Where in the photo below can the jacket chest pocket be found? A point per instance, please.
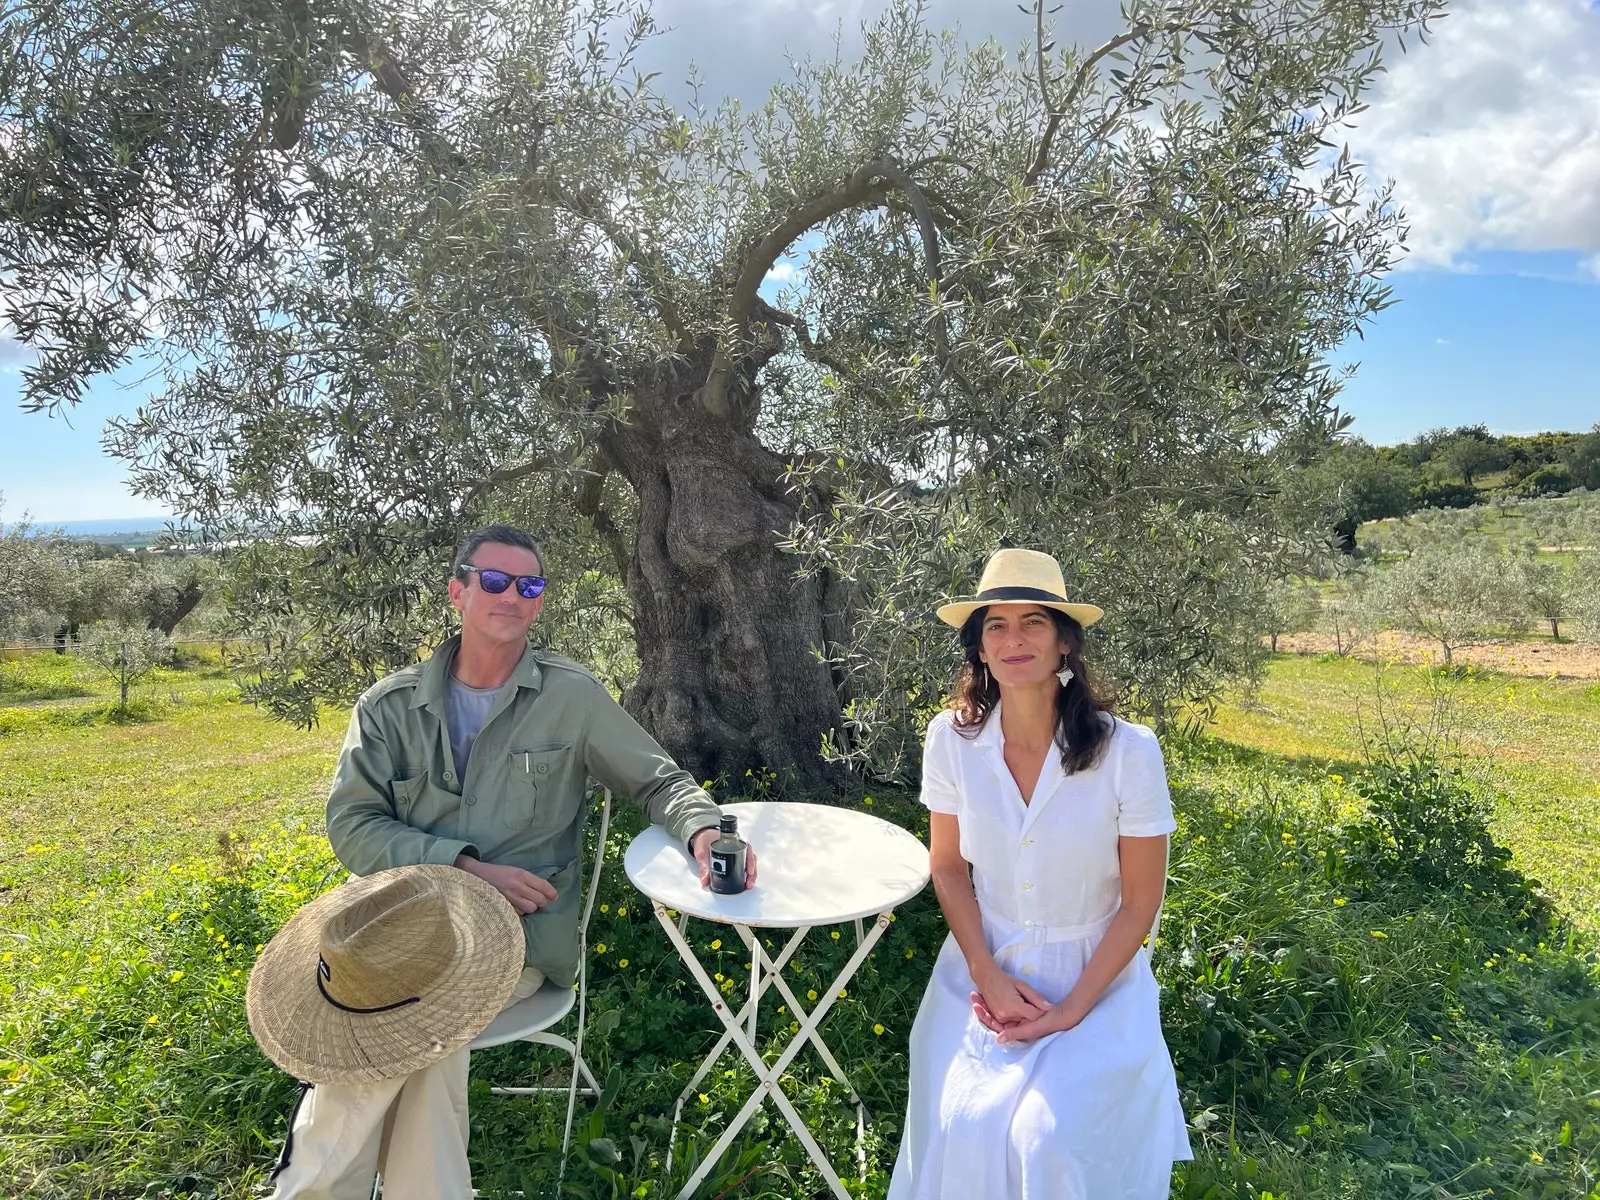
(422, 804)
(546, 790)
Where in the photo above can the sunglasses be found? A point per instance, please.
(495, 582)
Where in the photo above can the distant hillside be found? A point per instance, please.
(130, 532)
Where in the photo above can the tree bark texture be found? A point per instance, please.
(730, 675)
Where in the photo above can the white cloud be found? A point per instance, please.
(783, 272)
(1441, 341)
(1492, 131)
(1591, 265)
(13, 354)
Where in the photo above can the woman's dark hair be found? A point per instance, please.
(1081, 731)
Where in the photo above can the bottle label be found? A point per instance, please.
(719, 865)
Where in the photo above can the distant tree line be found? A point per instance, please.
(1449, 468)
(1459, 577)
(58, 587)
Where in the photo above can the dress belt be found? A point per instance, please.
(1037, 934)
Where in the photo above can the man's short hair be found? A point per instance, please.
(505, 535)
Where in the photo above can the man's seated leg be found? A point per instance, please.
(331, 1152)
(423, 1154)
(527, 984)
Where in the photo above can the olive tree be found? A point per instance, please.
(1292, 605)
(1548, 588)
(18, 575)
(126, 653)
(1586, 595)
(406, 267)
(1458, 595)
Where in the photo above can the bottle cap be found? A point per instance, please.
(729, 824)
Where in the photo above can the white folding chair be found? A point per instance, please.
(530, 1019)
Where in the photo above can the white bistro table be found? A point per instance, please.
(815, 866)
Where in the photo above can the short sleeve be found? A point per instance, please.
(939, 791)
(1144, 806)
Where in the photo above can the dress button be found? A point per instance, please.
(449, 776)
(472, 800)
(1027, 924)
(1027, 970)
(1027, 886)
(1027, 841)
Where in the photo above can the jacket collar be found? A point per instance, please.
(430, 690)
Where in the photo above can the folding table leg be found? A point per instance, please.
(769, 1078)
(747, 1012)
(777, 981)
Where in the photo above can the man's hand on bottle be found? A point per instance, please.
(701, 844)
(526, 891)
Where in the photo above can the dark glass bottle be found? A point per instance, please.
(727, 859)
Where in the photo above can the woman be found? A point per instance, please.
(1038, 1069)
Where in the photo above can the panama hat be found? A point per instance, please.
(385, 975)
(1020, 577)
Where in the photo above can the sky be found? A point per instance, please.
(1491, 134)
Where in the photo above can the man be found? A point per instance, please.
(477, 758)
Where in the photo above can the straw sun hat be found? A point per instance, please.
(1020, 577)
(385, 975)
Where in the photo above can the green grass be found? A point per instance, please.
(1536, 740)
(1346, 1020)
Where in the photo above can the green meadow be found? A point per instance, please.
(1365, 995)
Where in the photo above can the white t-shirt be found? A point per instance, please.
(466, 709)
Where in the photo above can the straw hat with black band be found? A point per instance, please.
(385, 975)
(1020, 577)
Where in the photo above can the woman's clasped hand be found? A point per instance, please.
(1016, 1012)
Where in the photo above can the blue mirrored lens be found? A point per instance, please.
(494, 582)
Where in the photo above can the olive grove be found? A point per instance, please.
(402, 269)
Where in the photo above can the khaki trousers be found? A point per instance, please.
(412, 1130)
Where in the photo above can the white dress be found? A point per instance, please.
(1088, 1114)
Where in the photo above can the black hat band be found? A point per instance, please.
(1020, 593)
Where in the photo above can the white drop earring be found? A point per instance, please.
(1065, 674)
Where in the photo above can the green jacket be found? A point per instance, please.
(398, 798)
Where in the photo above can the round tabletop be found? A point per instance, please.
(815, 865)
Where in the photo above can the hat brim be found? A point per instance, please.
(314, 1041)
(957, 612)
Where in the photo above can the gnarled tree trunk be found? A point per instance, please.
(731, 676)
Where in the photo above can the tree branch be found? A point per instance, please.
(391, 79)
(1080, 80)
(476, 489)
(862, 187)
(590, 503)
(585, 206)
